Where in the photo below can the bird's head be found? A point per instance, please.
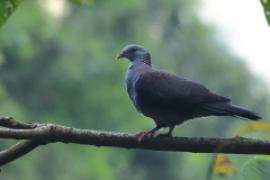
(135, 53)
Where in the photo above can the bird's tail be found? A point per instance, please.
(227, 109)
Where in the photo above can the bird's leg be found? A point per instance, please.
(168, 134)
(149, 133)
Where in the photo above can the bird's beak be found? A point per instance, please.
(122, 55)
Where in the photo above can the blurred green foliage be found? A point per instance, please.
(6, 9)
(61, 68)
(83, 2)
(256, 168)
(266, 8)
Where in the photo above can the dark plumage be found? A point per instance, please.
(169, 99)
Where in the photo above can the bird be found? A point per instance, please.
(170, 99)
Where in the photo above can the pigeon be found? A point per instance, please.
(170, 99)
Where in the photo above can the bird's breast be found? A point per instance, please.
(129, 83)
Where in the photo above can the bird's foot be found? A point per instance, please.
(166, 135)
(145, 134)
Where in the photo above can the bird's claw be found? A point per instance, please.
(145, 134)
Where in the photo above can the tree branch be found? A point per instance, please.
(43, 134)
(9, 122)
(17, 150)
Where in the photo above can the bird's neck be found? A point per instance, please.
(146, 59)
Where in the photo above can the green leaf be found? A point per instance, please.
(266, 7)
(257, 168)
(7, 7)
(83, 2)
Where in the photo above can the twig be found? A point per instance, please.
(17, 150)
(9, 122)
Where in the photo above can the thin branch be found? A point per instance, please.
(16, 151)
(50, 133)
(9, 122)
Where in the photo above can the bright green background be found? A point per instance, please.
(63, 70)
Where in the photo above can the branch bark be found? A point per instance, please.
(41, 134)
(16, 151)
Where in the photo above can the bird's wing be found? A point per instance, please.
(168, 88)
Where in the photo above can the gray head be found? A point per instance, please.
(135, 53)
